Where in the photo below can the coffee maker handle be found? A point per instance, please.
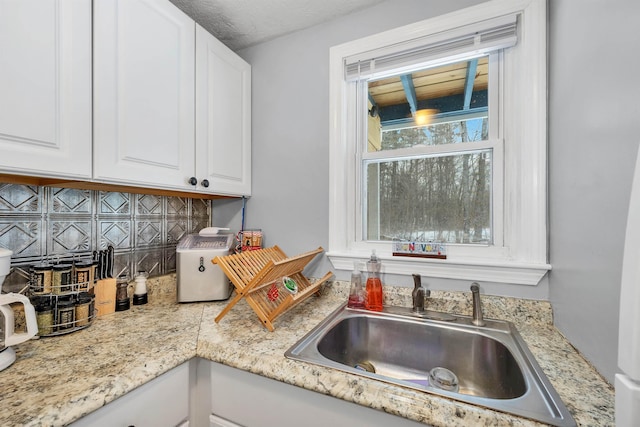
(7, 313)
(12, 338)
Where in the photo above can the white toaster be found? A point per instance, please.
(198, 279)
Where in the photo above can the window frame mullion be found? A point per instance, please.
(430, 150)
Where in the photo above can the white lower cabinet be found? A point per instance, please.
(200, 393)
(163, 401)
(239, 398)
(216, 421)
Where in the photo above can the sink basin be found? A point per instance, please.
(438, 353)
(409, 350)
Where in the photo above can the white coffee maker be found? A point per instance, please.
(8, 337)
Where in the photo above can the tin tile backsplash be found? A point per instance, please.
(45, 223)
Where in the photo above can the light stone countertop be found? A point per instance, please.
(57, 380)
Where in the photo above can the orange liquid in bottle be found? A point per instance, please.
(374, 294)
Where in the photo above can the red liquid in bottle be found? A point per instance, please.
(374, 294)
(355, 301)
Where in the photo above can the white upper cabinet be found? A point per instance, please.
(144, 97)
(223, 117)
(45, 88)
(171, 109)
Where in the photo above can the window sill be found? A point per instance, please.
(500, 272)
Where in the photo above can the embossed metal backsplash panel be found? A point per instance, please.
(44, 223)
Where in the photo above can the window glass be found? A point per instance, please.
(429, 196)
(441, 198)
(436, 134)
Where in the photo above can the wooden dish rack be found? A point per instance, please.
(253, 274)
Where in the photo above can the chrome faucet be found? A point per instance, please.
(419, 294)
(477, 305)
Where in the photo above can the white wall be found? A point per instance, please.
(594, 131)
(290, 132)
(593, 138)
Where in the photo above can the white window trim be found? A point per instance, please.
(522, 258)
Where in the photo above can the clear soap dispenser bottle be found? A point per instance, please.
(357, 292)
(374, 284)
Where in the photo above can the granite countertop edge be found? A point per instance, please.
(587, 395)
(123, 351)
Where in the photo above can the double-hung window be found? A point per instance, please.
(438, 134)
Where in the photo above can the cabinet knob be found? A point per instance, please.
(205, 183)
(193, 180)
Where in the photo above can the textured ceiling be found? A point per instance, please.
(243, 23)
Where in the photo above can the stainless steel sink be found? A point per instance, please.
(438, 353)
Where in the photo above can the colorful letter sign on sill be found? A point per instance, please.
(420, 249)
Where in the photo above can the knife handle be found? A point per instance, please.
(110, 261)
(103, 264)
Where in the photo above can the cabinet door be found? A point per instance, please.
(274, 403)
(144, 93)
(216, 421)
(223, 117)
(45, 88)
(163, 401)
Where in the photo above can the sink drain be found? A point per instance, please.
(443, 378)
(365, 366)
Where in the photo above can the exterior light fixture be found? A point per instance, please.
(424, 117)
